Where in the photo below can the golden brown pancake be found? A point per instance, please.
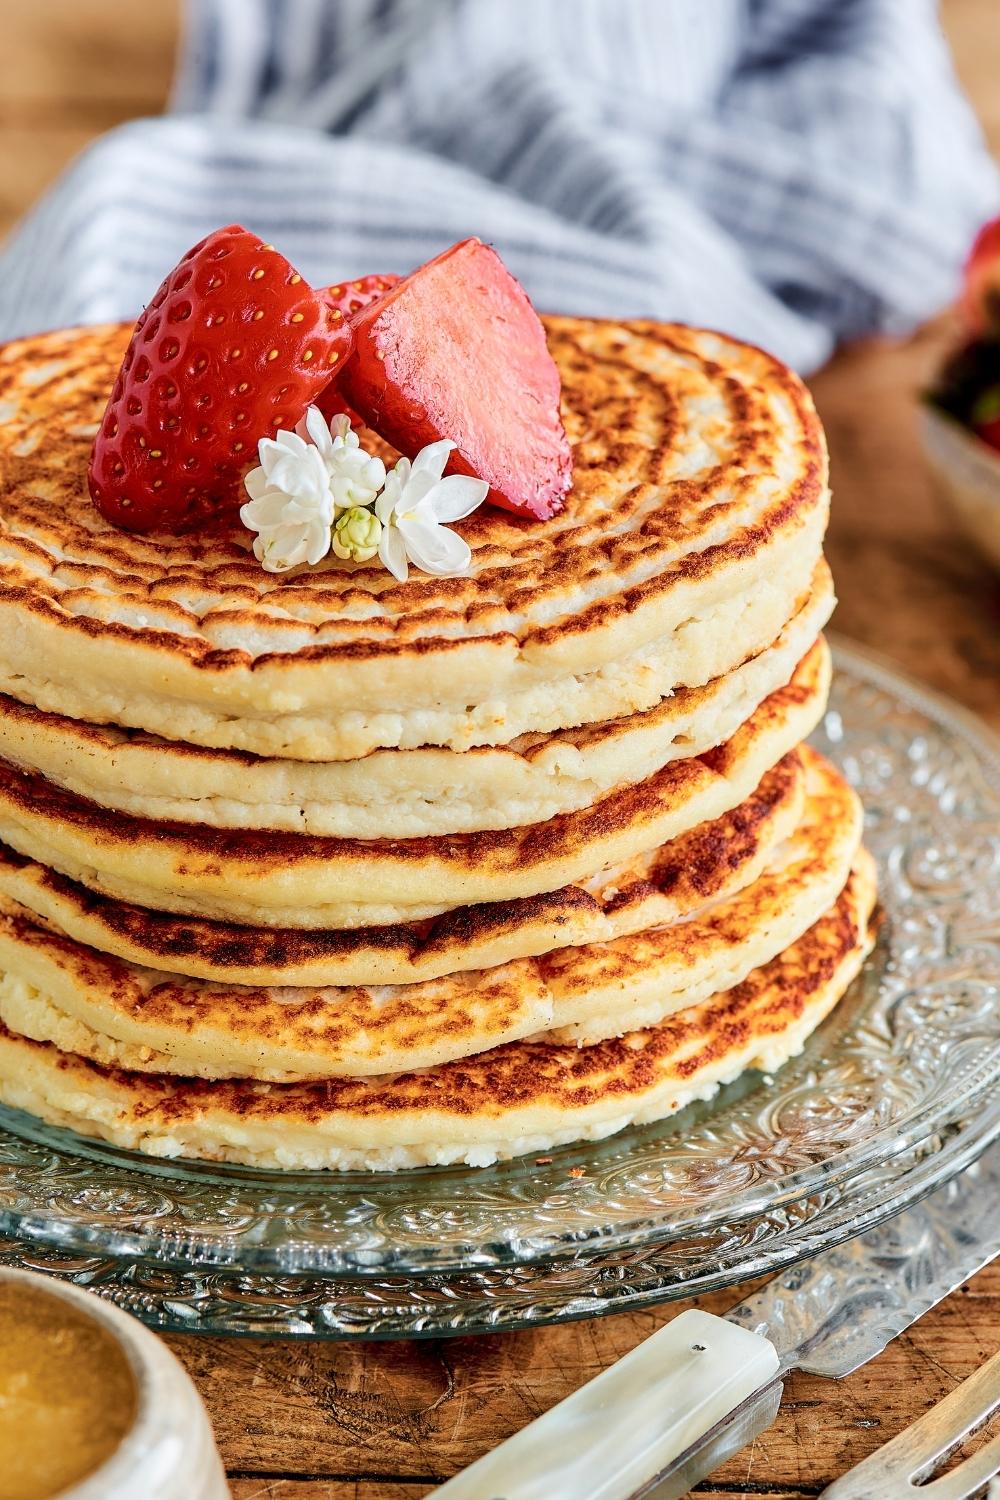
(522, 1097)
(706, 864)
(289, 880)
(403, 793)
(53, 989)
(694, 523)
(322, 870)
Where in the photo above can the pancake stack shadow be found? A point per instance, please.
(329, 871)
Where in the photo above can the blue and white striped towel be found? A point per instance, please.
(794, 171)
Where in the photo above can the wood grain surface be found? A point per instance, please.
(389, 1421)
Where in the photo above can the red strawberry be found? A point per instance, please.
(233, 345)
(985, 416)
(347, 299)
(457, 351)
(981, 282)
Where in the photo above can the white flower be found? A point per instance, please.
(304, 480)
(412, 506)
(317, 490)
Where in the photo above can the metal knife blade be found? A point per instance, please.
(834, 1313)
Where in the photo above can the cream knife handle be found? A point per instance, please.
(627, 1426)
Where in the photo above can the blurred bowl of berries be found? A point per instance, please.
(960, 417)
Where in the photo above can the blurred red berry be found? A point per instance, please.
(980, 299)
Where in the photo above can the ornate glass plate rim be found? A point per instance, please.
(907, 1055)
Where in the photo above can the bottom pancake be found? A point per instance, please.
(520, 1098)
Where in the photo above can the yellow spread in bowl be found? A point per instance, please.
(67, 1394)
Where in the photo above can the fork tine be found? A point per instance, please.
(968, 1477)
(968, 1406)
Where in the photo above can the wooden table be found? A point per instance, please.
(388, 1421)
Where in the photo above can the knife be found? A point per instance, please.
(699, 1389)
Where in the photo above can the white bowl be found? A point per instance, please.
(967, 472)
(169, 1452)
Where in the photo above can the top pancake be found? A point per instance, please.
(694, 524)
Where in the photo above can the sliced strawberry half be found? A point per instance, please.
(233, 345)
(457, 351)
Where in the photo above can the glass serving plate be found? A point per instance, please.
(898, 1090)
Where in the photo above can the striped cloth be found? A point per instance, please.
(793, 171)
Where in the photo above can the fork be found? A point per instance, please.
(898, 1470)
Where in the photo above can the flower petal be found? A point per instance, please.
(305, 478)
(286, 472)
(270, 510)
(315, 424)
(392, 551)
(255, 483)
(283, 443)
(434, 548)
(342, 432)
(373, 473)
(281, 549)
(432, 459)
(317, 544)
(395, 484)
(456, 497)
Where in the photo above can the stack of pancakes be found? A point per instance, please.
(324, 870)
